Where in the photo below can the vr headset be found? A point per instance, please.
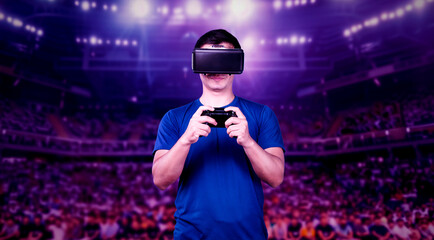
(218, 61)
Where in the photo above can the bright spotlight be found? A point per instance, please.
(194, 8)
(77, 40)
(2, 16)
(85, 5)
(279, 41)
(125, 42)
(262, 42)
(277, 5)
(105, 7)
(391, 15)
(347, 33)
(32, 29)
(117, 42)
(288, 4)
(399, 12)
(84, 40)
(354, 29)
(114, 8)
(303, 2)
(107, 42)
(40, 32)
(409, 7)
(241, 9)
(297, 2)
(94, 4)
(384, 16)
(99, 41)
(17, 23)
(140, 8)
(92, 40)
(302, 40)
(164, 10)
(9, 19)
(134, 43)
(293, 39)
(419, 4)
(77, 3)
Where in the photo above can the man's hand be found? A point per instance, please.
(238, 127)
(196, 126)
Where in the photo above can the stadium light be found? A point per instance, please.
(92, 40)
(140, 8)
(85, 5)
(409, 7)
(279, 41)
(293, 40)
(241, 9)
(17, 23)
(194, 8)
(419, 4)
(288, 4)
(277, 5)
(114, 8)
(400, 12)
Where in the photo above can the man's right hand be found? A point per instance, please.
(196, 126)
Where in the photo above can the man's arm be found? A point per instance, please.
(168, 164)
(268, 164)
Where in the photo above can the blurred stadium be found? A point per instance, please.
(84, 84)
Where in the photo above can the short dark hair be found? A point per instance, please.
(217, 36)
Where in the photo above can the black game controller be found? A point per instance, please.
(220, 115)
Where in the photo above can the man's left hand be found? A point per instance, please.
(238, 127)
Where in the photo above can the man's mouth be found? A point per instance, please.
(216, 77)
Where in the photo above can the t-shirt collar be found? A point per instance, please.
(230, 104)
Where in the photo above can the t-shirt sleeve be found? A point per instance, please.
(168, 133)
(269, 130)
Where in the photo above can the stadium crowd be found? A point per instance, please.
(372, 199)
(101, 125)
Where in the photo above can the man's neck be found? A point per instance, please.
(216, 99)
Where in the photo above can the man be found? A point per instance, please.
(343, 229)
(91, 229)
(58, 229)
(400, 231)
(220, 169)
(378, 230)
(109, 228)
(324, 230)
(38, 229)
(294, 229)
(10, 230)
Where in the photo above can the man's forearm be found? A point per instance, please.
(167, 169)
(267, 166)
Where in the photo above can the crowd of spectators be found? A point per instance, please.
(373, 199)
(295, 123)
(419, 110)
(15, 117)
(380, 116)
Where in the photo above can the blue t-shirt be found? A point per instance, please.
(219, 194)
